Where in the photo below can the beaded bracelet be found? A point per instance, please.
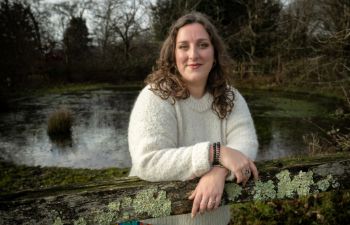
(216, 154)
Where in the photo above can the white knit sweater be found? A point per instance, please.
(171, 142)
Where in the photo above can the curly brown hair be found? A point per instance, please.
(165, 80)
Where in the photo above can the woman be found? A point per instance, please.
(189, 122)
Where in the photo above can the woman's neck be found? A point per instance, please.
(196, 91)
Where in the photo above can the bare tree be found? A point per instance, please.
(130, 24)
(119, 21)
(105, 14)
(315, 40)
(67, 10)
(19, 42)
(335, 19)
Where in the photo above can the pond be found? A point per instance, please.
(99, 134)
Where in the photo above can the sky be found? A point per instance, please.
(89, 16)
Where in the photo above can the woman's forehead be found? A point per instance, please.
(192, 32)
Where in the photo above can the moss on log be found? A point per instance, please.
(129, 198)
(332, 207)
(16, 178)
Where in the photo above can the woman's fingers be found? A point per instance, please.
(208, 190)
(204, 204)
(192, 195)
(247, 172)
(254, 170)
(211, 204)
(217, 201)
(239, 176)
(196, 203)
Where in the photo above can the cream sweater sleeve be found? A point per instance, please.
(240, 129)
(153, 143)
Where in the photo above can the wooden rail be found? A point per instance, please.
(130, 198)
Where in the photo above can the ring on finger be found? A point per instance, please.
(246, 172)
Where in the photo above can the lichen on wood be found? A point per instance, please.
(80, 221)
(264, 190)
(109, 215)
(302, 184)
(233, 191)
(113, 200)
(58, 221)
(284, 185)
(152, 202)
(323, 208)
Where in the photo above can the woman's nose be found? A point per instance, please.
(193, 53)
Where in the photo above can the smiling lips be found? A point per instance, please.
(194, 65)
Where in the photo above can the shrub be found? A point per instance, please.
(60, 124)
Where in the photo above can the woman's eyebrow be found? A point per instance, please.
(198, 40)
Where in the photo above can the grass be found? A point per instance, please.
(334, 91)
(77, 87)
(18, 94)
(16, 178)
(295, 108)
(323, 208)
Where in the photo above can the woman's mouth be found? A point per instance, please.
(194, 65)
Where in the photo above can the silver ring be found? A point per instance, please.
(211, 202)
(246, 172)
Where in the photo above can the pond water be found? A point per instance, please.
(99, 134)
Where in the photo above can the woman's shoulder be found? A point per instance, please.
(149, 98)
(236, 93)
(240, 104)
(150, 108)
(148, 93)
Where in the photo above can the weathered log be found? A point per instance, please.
(131, 198)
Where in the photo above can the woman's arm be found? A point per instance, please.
(242, 143)
(236, 156)
(241, 133)
(153, 141)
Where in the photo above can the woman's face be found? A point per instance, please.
(194, 54)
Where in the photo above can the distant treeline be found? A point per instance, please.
(305, 41)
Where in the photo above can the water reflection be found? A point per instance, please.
(99, 132)
(282, 119)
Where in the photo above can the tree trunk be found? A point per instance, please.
(131, 198)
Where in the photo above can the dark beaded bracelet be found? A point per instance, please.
(214, 153)
(216, 158)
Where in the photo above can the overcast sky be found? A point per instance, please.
(89, 17)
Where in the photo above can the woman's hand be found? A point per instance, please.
(239, 164)
(208, 192)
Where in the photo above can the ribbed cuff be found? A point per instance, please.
(200, 158)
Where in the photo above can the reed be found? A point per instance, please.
(60, 123)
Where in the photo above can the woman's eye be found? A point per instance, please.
(183, 47)
(203, 45)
